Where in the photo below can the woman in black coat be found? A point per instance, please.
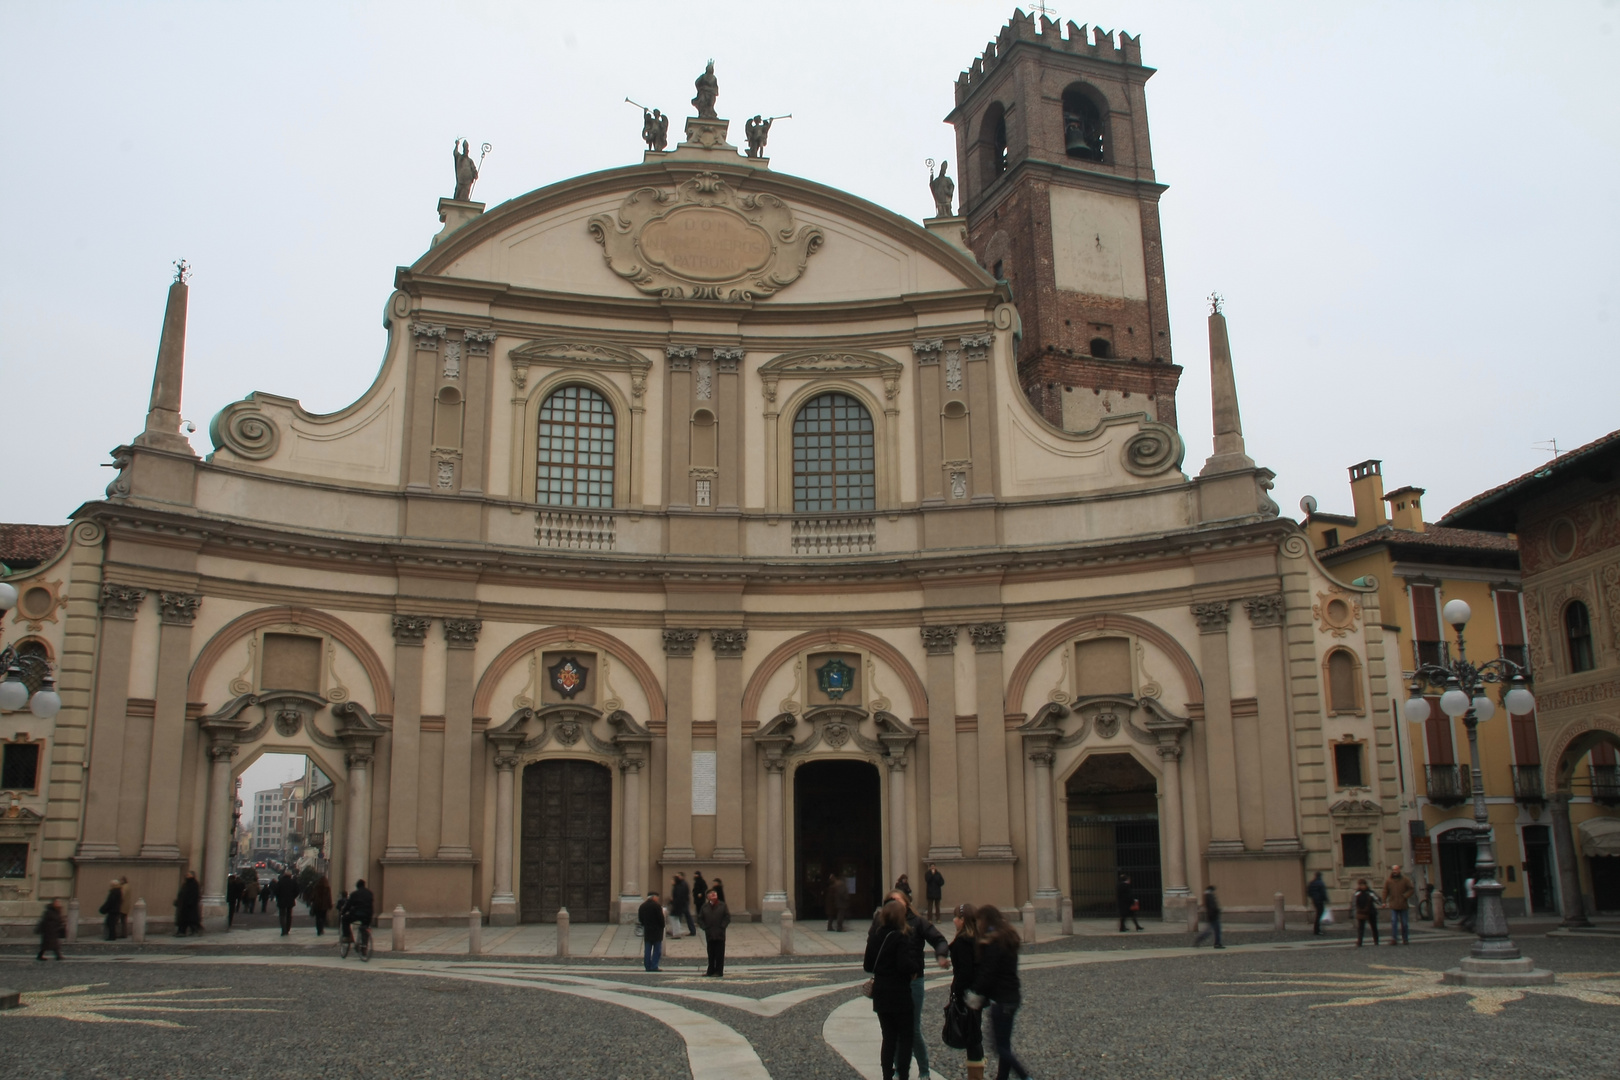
(997, 980)
(892, 964)
(188, 906)
(964, 967)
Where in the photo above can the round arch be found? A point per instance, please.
(1087, 106)
(884, 467)
(240, 627)
(874, 645)
(549, 635)
(1018, 683)
(1061, 777)
(625, 433)
(1575, 741)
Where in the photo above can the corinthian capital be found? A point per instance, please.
(1212, 616)
(411, 629)
(939, 640)
(121, 601)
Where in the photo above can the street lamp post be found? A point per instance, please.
(18, 670)
(1494, 959)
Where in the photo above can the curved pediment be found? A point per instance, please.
(580, 354)
(822, 362)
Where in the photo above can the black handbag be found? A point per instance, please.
(957, 1019)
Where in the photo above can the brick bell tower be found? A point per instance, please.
(1058, 191)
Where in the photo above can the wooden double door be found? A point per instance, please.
(567, 841)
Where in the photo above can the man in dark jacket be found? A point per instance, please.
(923, 933)
(700, 891)
(651, 917)
(680, 903)
(714, 917)
(934, 889)
(1212, 912)
(1125, 902)
(357, 907)
(51, 928)
(286, 898)
(233, 898)
(110, 909)
(1317, 891)
(188, 906)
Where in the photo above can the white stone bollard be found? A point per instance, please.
(787, 933)
(137, 923)
(1279, 914)
(1066, 908)
(1029, 923)
(398, 942)
(475, 932)
(73, 920)
(562, 931)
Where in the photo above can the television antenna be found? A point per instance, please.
(1546, 446)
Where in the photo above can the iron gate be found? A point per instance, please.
(1103, 846)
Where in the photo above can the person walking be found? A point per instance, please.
(264, 896)
(934, 890)
(250, 891)
(286, 890)
(996, 981)
(1364, 902)
(714, 917)
(188, 906)
(1317, 891)
(894, 968)
(51, 928)
(903, 884)
(921, 933)
(1126, 902)
(109, 910)
(680, 906)
(837, 902)
(1398, 893)
(233, 898)
(700, 891)
(320, 902)
(964, 969)
(651, 916)
(1212, 912)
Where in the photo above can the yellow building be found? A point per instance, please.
(1418, 567)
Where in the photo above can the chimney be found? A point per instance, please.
(1229, 453)
(1406, 508)
(1367, 493)
(163, 414)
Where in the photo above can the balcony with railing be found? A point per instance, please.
(1606, 784)
(1448, 785)
(1527, 784)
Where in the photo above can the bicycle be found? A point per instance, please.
(362, 943)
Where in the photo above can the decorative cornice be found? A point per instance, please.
(939, 640)
(1212, 616)
(680, 642)
(411, 629)
(178, 609)
(1268, 610)
(727, 642)
(462, 633)
(988, 637)
(121, 601)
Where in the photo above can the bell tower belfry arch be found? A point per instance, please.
(1058, 190)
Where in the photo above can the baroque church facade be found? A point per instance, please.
(706, 517)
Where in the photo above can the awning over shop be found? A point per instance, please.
(1600, 836)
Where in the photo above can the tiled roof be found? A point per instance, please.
(1435, 539)
(23, 547)
(1497, 508)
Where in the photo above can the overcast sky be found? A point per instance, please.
(1413, 209)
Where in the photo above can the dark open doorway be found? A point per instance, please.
(1455, 853)
(837, 829)
(567, 841)
(1113, 830)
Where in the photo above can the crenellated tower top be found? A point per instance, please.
(1093, 42)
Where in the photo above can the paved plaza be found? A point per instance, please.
(1097, 1004)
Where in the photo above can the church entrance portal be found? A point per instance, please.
(567, 841)
(1113, 830)
(838, 829)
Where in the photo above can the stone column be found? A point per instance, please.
(927, 355)
(776, 897)
(898, 858)
(1266, 617)
(1046, 890)
(945, 834)
(678, 426)
(404, 761)
(520, 404)
(728, 407)
(503, 904)
(1226, 834)
(475, 415)
(460, 641)
(420, 396)
(995, 840)
(678, 647)
(728, 653)
(177, 611)
(119, 606)
(1569, 872)
(357, 832)
(217, 839)
(630, 864)
(1170, 816)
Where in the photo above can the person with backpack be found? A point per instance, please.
(893, 966)
(996, 981)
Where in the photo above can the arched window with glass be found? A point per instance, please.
(833, 467)
(1578, 629)
(576, 434)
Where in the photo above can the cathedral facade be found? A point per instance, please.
(702, 517)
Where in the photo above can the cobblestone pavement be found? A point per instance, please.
(1270, 1005)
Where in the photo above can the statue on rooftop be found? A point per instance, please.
(655, 129)
(758, 130)
(466, 171)
(708, 88)
(943, 188)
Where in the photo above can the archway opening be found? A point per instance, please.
(567, 844)
(838, 832)
(1113, 830)
(284, 821)
(1455, 851)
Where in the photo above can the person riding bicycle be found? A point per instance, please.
(357, 908)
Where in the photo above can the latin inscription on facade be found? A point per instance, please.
(704, 244)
